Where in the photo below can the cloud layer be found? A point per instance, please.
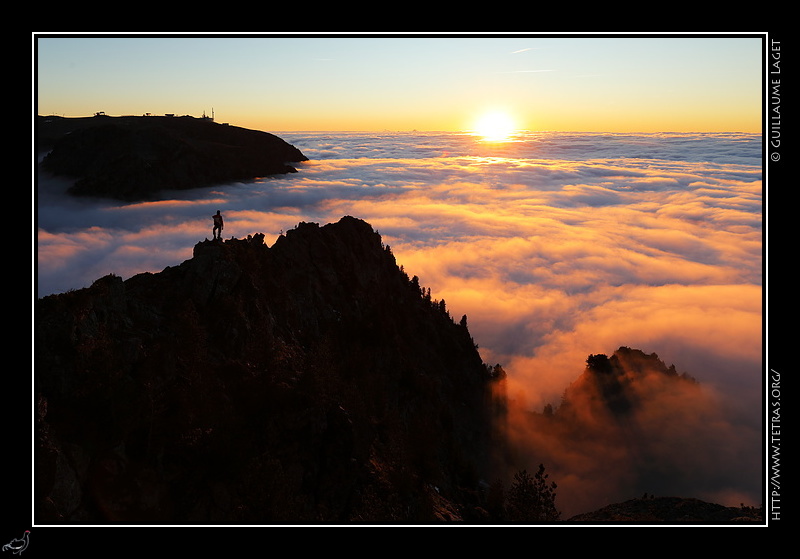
(555, 246)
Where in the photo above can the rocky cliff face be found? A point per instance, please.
(132, 158)
(310, 381)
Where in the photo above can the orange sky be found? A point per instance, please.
(599, 83)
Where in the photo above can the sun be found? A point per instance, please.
(495, 126)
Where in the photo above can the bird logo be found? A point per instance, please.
(17, 545)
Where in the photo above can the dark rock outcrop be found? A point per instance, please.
(671, 510)
(306, 382)
(133, 158)
(610, 383)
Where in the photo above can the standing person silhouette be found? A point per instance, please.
(216, 232)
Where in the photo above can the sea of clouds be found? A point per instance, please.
(555, 246)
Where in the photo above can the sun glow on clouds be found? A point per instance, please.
(495, 126)
(555, 247)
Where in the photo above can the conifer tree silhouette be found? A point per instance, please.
(532, 499)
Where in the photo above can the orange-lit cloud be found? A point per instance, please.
(677, 438)
(552, 254)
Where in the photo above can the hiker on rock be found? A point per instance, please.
(216, 232)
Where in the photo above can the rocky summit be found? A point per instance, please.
(134, 158)
(307, 382)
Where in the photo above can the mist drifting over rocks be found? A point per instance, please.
(556, 246)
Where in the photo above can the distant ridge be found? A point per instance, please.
(132, 158)
(671, 510)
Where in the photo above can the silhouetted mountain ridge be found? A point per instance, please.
(310, 381)
(133, 158)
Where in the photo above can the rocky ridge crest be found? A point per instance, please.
(310, 381)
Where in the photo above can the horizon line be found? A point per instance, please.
(467, 131)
